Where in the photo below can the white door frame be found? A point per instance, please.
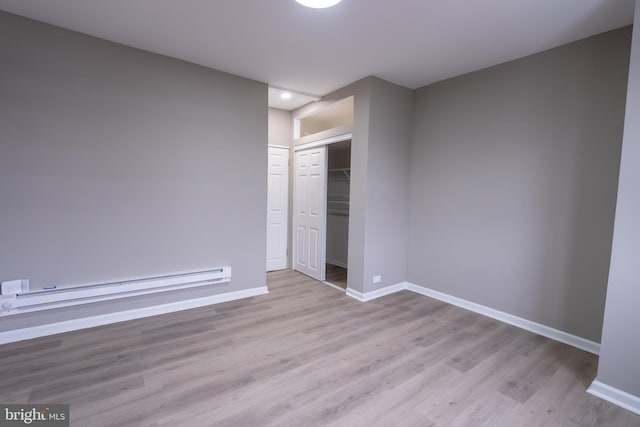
(325, 141)
(310, 145)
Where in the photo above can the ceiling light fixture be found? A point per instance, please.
(285, 95)
(318, 4)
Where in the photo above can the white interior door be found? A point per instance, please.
(309, 216)
(277, 208)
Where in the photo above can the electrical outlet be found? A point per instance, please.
(377, 279)
(15, 286)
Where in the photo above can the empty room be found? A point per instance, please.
(320, 212)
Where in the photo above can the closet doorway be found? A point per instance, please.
(322, 180)
(338, 194)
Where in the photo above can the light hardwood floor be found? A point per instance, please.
(308, 355)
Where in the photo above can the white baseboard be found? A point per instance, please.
(354, 294)
(337, 263)
(537, 328)
(617, 397)
(368, 296)
(334, 286)
(122, 316)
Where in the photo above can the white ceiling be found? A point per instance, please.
(296, 99)
(408, 42)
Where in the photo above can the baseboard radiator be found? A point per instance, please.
(46, 299)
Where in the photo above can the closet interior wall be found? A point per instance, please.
(338, 189)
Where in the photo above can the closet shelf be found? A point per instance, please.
(338, 207)
(345, 171)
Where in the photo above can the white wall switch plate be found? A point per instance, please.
(377, 279)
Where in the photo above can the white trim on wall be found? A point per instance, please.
(537, 328)
(122, 316)
(334, 286)
(613, 395)
(368, 296)
(325, 141)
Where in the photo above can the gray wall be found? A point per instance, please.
(513, 182)
(387, 197)
(620, 351)
(116, 163)
(280, 127)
